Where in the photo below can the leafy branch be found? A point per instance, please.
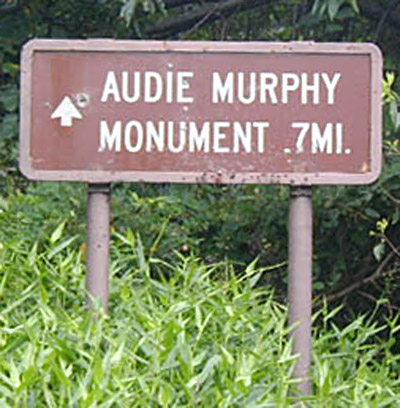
(211, 11)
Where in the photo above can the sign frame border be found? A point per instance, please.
(291, 178)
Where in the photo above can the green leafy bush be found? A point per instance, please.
(198, 336)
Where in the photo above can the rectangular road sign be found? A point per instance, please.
(215, 112)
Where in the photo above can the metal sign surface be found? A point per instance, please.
(290, 113)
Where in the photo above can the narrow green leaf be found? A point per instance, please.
(333, 7)
(57, 233)
(61, 246)
(354, 5)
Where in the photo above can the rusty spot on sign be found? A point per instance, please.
(364, 167)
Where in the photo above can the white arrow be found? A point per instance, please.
(66, 111)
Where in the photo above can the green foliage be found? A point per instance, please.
(216, 223)
(189, 219)
(333, 7)
(356, 350)
(129, 8)
(193, 321)
(31, 217)
(197, 335)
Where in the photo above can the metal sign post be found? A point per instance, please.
(98, 243)
(300, 282)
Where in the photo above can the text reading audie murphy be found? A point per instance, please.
(218, 136)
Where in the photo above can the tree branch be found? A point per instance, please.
(170, 4)
(361, 282)
(214, 10)
(374, 10)
(7, 9)
(390, 196)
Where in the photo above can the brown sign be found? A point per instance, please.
(293, 113)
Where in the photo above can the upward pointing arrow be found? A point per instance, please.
(66, 111)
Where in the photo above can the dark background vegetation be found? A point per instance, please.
(356, 230)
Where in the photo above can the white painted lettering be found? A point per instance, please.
(331, 86)
(110, 88)
(170, 87)
(153, 87)
(155, 136)
(183, 84)
(268, 83)
(321, 141)
(199, 140)
(219, 136)
(304, 128)
(180, 135)
(339, 138)
(261, 127)
(290, 83)
(250, 89)
(222, 92)
(125, 87)
(310, 88)
(242, 136)
(110, 139)
(133, 148)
